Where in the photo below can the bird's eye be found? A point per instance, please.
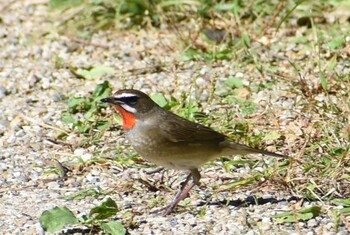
(132, 100)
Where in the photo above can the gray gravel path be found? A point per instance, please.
(31, 91)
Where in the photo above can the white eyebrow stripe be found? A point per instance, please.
(124, 95)
(128, 108)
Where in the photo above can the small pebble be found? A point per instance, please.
(3, 92)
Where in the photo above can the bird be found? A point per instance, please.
(171, 141)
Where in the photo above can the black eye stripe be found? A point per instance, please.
(128, 99)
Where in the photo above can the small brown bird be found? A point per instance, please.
(171, 141)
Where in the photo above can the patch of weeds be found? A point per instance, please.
(227, 39)
(247, 107)
(240, 128)
(325, 176)
(233, 164)
(298, 215)
(202, 212)
(271, 136)
(82, 194)
(56, 219)
(131, 159)
(223, 53)
(236, 98)
(234, 82)
(58, 61)
(237, 94)
(185, 107)
(276, 173)
(87, 17)
(228, 49)
(84, 113)
(51, 170)
(237, 184)
(340, 215)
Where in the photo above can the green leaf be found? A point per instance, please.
(224, 54)
(300, 39)
(135, 7)
(83, 194)
(324, 81)
(175, 3)
(100, 71)
(336, 43)
(160, 100)
(105, 210)
(303, 215)
(273, 135)
(90, 115)
(246, 40)
(343, 202)
(102, 125)
(246, 106)
(234, 82)
(96, 72)
(345, 211)
(332, 64)
(77, 103)
(59, 4)
(84, 73)
(191, 54)
(55, 219)
(226, 7)
(240, 183)
(346, 176)
(102, 90)
(114, 228)
(82, 128)
(68, 118)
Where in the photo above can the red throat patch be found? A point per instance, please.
(129, 119)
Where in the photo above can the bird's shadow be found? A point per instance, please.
(250, 200)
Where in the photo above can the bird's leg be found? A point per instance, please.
(183, 185)
(183, 193)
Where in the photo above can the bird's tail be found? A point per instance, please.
(241, 149)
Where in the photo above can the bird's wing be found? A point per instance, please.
(178, 129)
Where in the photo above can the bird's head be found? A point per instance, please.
(132, 105)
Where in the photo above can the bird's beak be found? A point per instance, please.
(111, 100)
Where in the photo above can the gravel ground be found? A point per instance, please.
(31, 92)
